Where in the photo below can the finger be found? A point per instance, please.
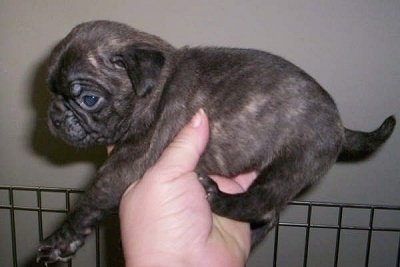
(236, 184)
(182, 155)
(109, 149)
(246, 179)
(227, 185)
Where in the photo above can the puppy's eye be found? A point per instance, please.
(118, 62)
(90, 100)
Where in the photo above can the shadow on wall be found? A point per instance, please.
(59, 153)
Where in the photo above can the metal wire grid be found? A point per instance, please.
(339, 226)
(12, 207)
(307, 225)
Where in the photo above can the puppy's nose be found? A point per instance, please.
(56, 123)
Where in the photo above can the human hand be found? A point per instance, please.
(166, 219)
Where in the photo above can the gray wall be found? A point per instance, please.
(351, 47)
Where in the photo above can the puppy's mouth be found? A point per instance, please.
(70, 130)
(69, 125)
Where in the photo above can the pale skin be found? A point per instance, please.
(166, 219)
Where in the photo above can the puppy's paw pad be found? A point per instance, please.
(53, 250)
(209, 185)
(47, 255)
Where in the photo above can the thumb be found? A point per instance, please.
(183, 153)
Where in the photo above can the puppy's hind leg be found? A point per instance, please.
(277, 184)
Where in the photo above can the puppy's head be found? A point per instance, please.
(106, 79)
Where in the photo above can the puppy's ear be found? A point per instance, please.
(143, 67)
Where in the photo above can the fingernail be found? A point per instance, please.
(197, 118)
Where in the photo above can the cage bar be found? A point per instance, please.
(338, 225)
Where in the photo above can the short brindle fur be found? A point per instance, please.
(114, 85)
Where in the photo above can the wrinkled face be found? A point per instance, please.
(101, 87)
(87, 106)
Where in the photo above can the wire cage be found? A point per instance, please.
(325, 234)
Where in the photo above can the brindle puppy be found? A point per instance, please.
(114, 85)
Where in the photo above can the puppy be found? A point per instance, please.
(114, 85)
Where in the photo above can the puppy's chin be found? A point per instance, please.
(74, 136)
(71, 132)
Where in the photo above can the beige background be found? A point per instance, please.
(351, 47)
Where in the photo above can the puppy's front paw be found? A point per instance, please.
(209, 185)
(60, 246)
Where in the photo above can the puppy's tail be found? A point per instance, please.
(360, 145)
